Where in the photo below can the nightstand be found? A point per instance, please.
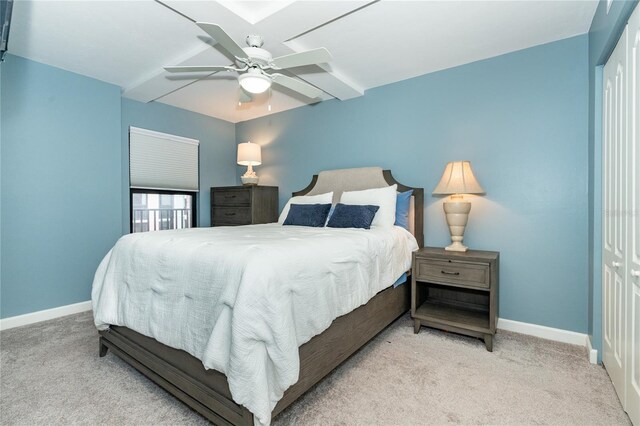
(456, 291)
(244, 205)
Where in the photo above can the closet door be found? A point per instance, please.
(633, 246)
(615, 202)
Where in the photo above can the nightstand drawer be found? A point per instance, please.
(232, 197)
(453, 272)
(231, 215)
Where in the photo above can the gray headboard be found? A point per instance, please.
(358, 179)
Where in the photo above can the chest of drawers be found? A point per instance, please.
(243, 205)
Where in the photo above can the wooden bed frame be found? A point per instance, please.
(207, 391)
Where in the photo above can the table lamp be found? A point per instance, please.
(249, 155)
(457, 180)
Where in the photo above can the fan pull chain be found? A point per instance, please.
(269, 99)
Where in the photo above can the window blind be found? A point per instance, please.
(162, 161)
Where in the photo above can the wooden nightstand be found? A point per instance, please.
(456, 291)
(244, 205)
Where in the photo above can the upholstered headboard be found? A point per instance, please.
(358, 179)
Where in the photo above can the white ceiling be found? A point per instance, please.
(373, 43)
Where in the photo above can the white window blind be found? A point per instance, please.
(162, 161)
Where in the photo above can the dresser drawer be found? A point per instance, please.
(467, 274)
(231, 215)
(234, 197)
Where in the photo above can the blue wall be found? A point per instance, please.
(604, 33)
(521, 119)
(64, 174)
(217, 147)
(61, 181)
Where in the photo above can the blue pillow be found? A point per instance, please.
(403, 202)
(307, 215)
(350, 216)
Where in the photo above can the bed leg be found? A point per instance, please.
(103, 348)
(416, 326)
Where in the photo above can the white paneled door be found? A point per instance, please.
(621, 227)
(614, 198)
(633, 223)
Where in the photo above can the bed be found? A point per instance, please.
(208, 390)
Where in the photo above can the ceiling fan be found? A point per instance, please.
(253, 62)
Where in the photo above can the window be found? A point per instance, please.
(163, 173)
(157, 211)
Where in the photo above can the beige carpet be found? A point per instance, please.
(50, 373)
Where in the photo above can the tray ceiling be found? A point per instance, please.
(373, 43)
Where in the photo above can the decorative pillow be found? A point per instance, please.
(305, 199)
(403, 203)
(308, 215)
(385, 198)
(352, 216)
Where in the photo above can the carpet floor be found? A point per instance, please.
(50, 373)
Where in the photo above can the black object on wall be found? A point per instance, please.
(5, 20)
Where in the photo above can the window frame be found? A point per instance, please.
(194, 203)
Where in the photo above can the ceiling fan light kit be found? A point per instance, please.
(254, 81)
(253, 62)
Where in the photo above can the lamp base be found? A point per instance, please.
(457, 214)
(249, 181)
(456, 246)
(250, 178)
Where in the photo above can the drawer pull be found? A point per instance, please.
(450, 273)
(229, 196)
(229, 214)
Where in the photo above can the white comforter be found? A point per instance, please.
(243, 299)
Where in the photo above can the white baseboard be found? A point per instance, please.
(556, 334)
(45, 315)
(541, 331)
(593, 353)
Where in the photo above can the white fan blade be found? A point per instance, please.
(197, 69)
(223, 39)
(296, 85)
(310, 57)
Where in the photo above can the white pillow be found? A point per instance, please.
(305, 199)
(385, 198)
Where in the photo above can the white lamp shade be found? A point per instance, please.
(254, 82)
(458, 178)
(249, 154)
